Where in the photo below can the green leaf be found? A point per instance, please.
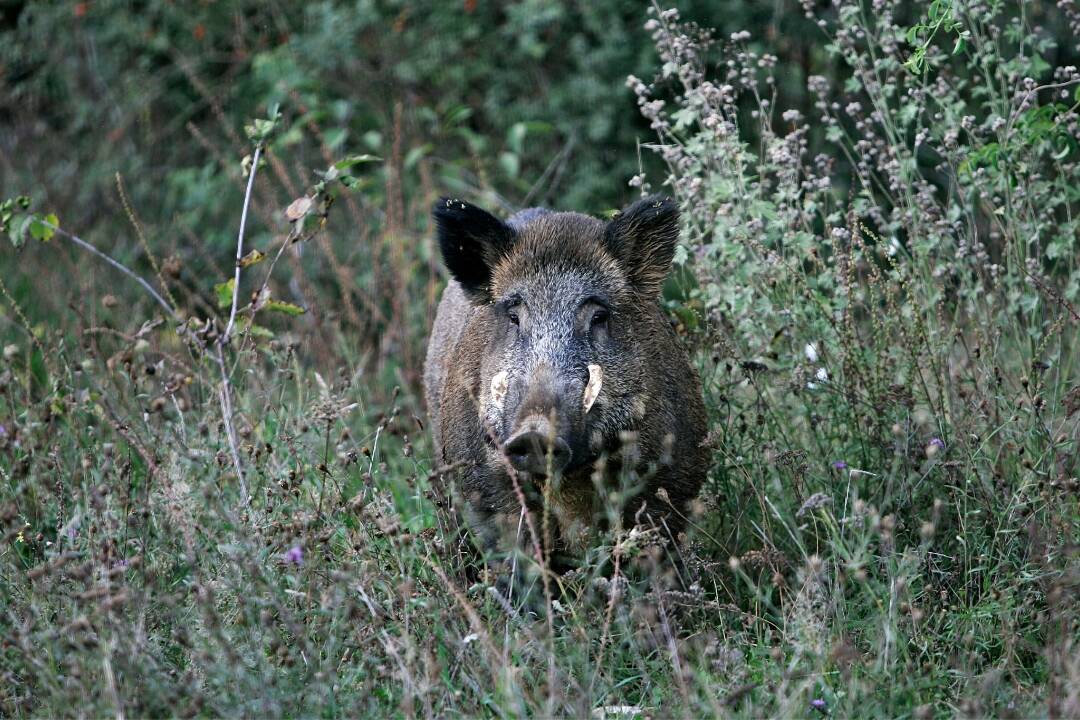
(17, 230)
(510, 163)
(457, 115)
(335, 137)
(373, 139)
(1039, 66)
(684, 118)
(25, 229)
(353, 160)
(260, 331)
(354, 183)
(224, 293)
(1063, 145)
(286, 308)
(515, 137)
(262, 128)
(39, 230)
(415, 155)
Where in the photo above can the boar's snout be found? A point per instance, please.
(535, 448)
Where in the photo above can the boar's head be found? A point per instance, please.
(559, 296)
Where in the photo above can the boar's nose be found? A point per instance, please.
(535, 448)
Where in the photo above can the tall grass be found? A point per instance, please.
(887, 335)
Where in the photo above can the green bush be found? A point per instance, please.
(892, 325)
(878, 276)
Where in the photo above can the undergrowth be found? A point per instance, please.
(199, 520)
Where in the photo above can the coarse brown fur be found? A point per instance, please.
(645, 433)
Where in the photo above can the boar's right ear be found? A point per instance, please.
(642, 238)
(472, 242)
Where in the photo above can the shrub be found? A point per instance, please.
(890, 288)
(882, 295)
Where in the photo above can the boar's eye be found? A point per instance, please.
(597, 314)
(513, 311)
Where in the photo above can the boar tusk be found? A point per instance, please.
(592, 390)
(498, 388)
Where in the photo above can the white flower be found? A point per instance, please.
(822, 374)
(811, 352)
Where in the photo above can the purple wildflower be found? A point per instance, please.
(935, 446)
(819, 705)
(839, 464)
(294, 555)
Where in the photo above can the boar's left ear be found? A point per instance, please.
(472, 242)
(642, 238)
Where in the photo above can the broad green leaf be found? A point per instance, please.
(224, 293)
(24, 229)
(39, 230)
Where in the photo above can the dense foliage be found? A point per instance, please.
(217, 497)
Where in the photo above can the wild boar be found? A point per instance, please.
(551, 359)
